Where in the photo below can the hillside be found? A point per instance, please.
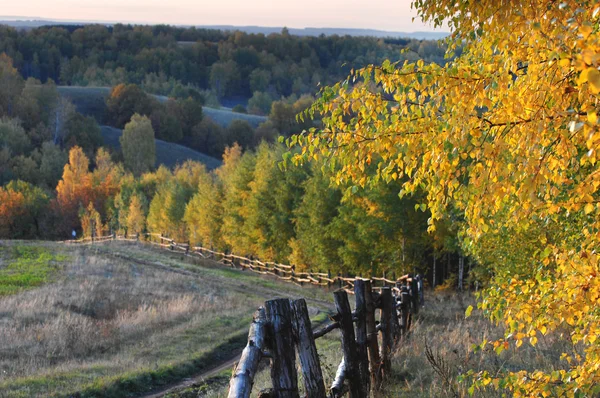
(91, 101)
(121, 319)
(167, 153)
(124, 319)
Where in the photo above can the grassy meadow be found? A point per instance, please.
(120, 319)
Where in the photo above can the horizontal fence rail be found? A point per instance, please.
(283, 272)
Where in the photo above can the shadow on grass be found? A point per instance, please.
(145, 381)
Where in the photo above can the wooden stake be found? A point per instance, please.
(348, 343)
(361, 334)
(242, 377)
(283, 363)
(307, 351)
(372, 336)
(387, 338)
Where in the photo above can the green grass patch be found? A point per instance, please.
(99, 381)
(145, 380)
(27, 267)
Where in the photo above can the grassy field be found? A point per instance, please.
(23, 267)
(121, 319)
(167, 153)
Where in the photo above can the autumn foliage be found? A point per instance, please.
(505, 135)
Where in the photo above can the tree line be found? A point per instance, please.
(251, 205)
(165, 59)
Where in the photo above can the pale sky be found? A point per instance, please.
(392, 15)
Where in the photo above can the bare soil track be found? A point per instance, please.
(195, 379)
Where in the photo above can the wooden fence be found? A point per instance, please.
(283, 272)
(381, 318)
(282, 328)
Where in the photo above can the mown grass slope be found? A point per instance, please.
(122, 319)
(91, 101)
(167, 153)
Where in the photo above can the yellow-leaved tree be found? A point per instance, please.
(506, 133)
(136, 219)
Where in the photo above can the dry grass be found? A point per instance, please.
(119, 314)
(442, 330)
(108, 316)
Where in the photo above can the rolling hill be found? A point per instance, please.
(90, 101)
(167, 153)
(121, 319)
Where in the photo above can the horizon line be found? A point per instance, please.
(22, 18)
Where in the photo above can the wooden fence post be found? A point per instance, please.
(242, 377)
(404, 309)
(348, 343)
(283, 363)
(396, 330)
(361, 334)
(387, 338)
(314, 385)
(414, 292)
(372, 335)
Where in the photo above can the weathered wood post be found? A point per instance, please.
(414, 290)
(242, 378)
(396, 330)
(314, 385)
(372, 335)
(387, 337)
(283, 363)
(351, 366)
(404, 309)
(361, 334)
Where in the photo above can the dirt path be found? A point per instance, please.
(189, 382)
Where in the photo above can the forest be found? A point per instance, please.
(166, 59)
(57, 173)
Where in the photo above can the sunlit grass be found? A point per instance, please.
(27, 267)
